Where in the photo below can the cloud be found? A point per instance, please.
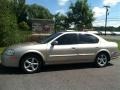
(98, 12)
(62, 2)
(111, 2)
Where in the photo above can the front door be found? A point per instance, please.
(65, 51)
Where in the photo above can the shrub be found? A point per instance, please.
(23, 26)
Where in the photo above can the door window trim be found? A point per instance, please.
(66, 34)
(86, 42)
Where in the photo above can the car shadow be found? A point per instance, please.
(63, 67)
(9, 70)
(49, 68)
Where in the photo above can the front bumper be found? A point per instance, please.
(9, 61)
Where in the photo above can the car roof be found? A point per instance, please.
(80, 32)
(84, 32)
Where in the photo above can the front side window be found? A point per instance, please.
(51, 37)
(67, 39)
(87, 39)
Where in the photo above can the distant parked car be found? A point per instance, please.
(60, 48)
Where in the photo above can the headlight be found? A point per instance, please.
(10, 52)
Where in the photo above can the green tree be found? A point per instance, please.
(37, 11)
(19, 7)
(118, 28)
(20, 10)
(61, 22)
(80, 14)
(8, 24)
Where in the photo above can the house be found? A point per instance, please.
(42, 26)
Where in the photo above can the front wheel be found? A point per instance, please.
(101, 60)
(31, 64)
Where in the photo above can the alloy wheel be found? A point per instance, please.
(102, 60)
(31, 64)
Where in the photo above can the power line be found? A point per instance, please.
(107, 20)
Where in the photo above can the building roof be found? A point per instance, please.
(42, 20)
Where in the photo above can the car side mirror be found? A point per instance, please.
(54, 43)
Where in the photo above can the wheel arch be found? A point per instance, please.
(32, 53)
(104, 51)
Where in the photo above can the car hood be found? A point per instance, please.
(23, 45)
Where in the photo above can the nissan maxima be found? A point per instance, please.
(60, 48)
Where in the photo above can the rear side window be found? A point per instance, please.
(67, 39)
(87, 39)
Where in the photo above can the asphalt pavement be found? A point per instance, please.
(63, 77)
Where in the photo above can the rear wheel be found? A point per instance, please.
(102, 60)
(31, 64)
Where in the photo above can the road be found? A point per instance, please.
(63, 77)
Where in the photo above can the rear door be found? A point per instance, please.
(88, 47)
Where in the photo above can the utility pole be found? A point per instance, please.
(107, 8)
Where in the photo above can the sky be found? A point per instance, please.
(97, 7)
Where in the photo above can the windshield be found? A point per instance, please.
(50, 38)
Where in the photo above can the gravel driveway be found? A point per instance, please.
(63, 77)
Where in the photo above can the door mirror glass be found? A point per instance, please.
(54, 43)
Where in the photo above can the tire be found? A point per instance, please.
(31, 64)
(102, 60)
